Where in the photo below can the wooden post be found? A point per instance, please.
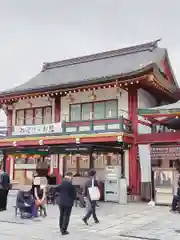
(134, 171)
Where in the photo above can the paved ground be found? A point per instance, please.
(130, 222)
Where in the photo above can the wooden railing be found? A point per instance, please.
(119, 124)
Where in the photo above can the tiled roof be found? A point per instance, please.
(77, 71)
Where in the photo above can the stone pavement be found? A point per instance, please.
(129, 222)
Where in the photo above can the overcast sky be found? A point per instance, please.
(37, 31)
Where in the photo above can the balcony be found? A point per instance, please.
(119, 124)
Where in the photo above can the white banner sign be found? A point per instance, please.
(37, 129)
(145, 162)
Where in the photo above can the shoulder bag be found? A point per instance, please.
(94, 193)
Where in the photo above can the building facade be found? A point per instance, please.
(81, 113)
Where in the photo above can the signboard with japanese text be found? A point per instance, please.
(171, 152)
(37, 129)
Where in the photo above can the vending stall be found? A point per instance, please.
(164, 160)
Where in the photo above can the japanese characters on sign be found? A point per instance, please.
(171, 152)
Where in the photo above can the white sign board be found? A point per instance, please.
(54, 161)
(37, 129)
(145, 162)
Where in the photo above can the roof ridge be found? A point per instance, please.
(97, 56)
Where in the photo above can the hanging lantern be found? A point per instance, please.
(92, 96)
(50, 101)
(118, 92)
(70, 98)
(30, 104)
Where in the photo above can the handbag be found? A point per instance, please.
(94, 193)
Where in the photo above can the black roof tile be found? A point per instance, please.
(80, 70)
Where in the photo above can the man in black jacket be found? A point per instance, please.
(91, 205)
(4, 188)
(67, 195)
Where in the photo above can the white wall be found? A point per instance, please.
(126, 158)
(143, 129)
(102, 94)
(145, 100)
(36, 102)
(145, 162)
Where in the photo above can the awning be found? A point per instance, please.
(173, 108)
(161, 113)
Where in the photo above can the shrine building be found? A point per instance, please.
(81, 113)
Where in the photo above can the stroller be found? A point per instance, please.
(25, 204)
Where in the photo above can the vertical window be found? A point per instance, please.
(86, 111)
(75, 112)
(47, 115)
(20, 117)
(111, 109)
(99, 110)
(38, 116)
(28, 116)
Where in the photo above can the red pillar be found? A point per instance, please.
(134, 177)
(56, 170)
(9, 121)
(57, 109)
(8, 162)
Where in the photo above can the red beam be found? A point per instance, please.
(168, 137)
(70, 140)
(158, 115)
(128, 139)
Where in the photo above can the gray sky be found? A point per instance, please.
(36, 31)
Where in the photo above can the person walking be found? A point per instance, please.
(4, 188)
(67, 196)
(176, 198)
(91, 195)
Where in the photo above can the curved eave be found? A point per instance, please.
(163, 81)
(171, 70)
(80, 84)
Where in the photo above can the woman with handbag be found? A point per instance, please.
(91, 195)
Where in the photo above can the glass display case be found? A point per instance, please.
(165, 183)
